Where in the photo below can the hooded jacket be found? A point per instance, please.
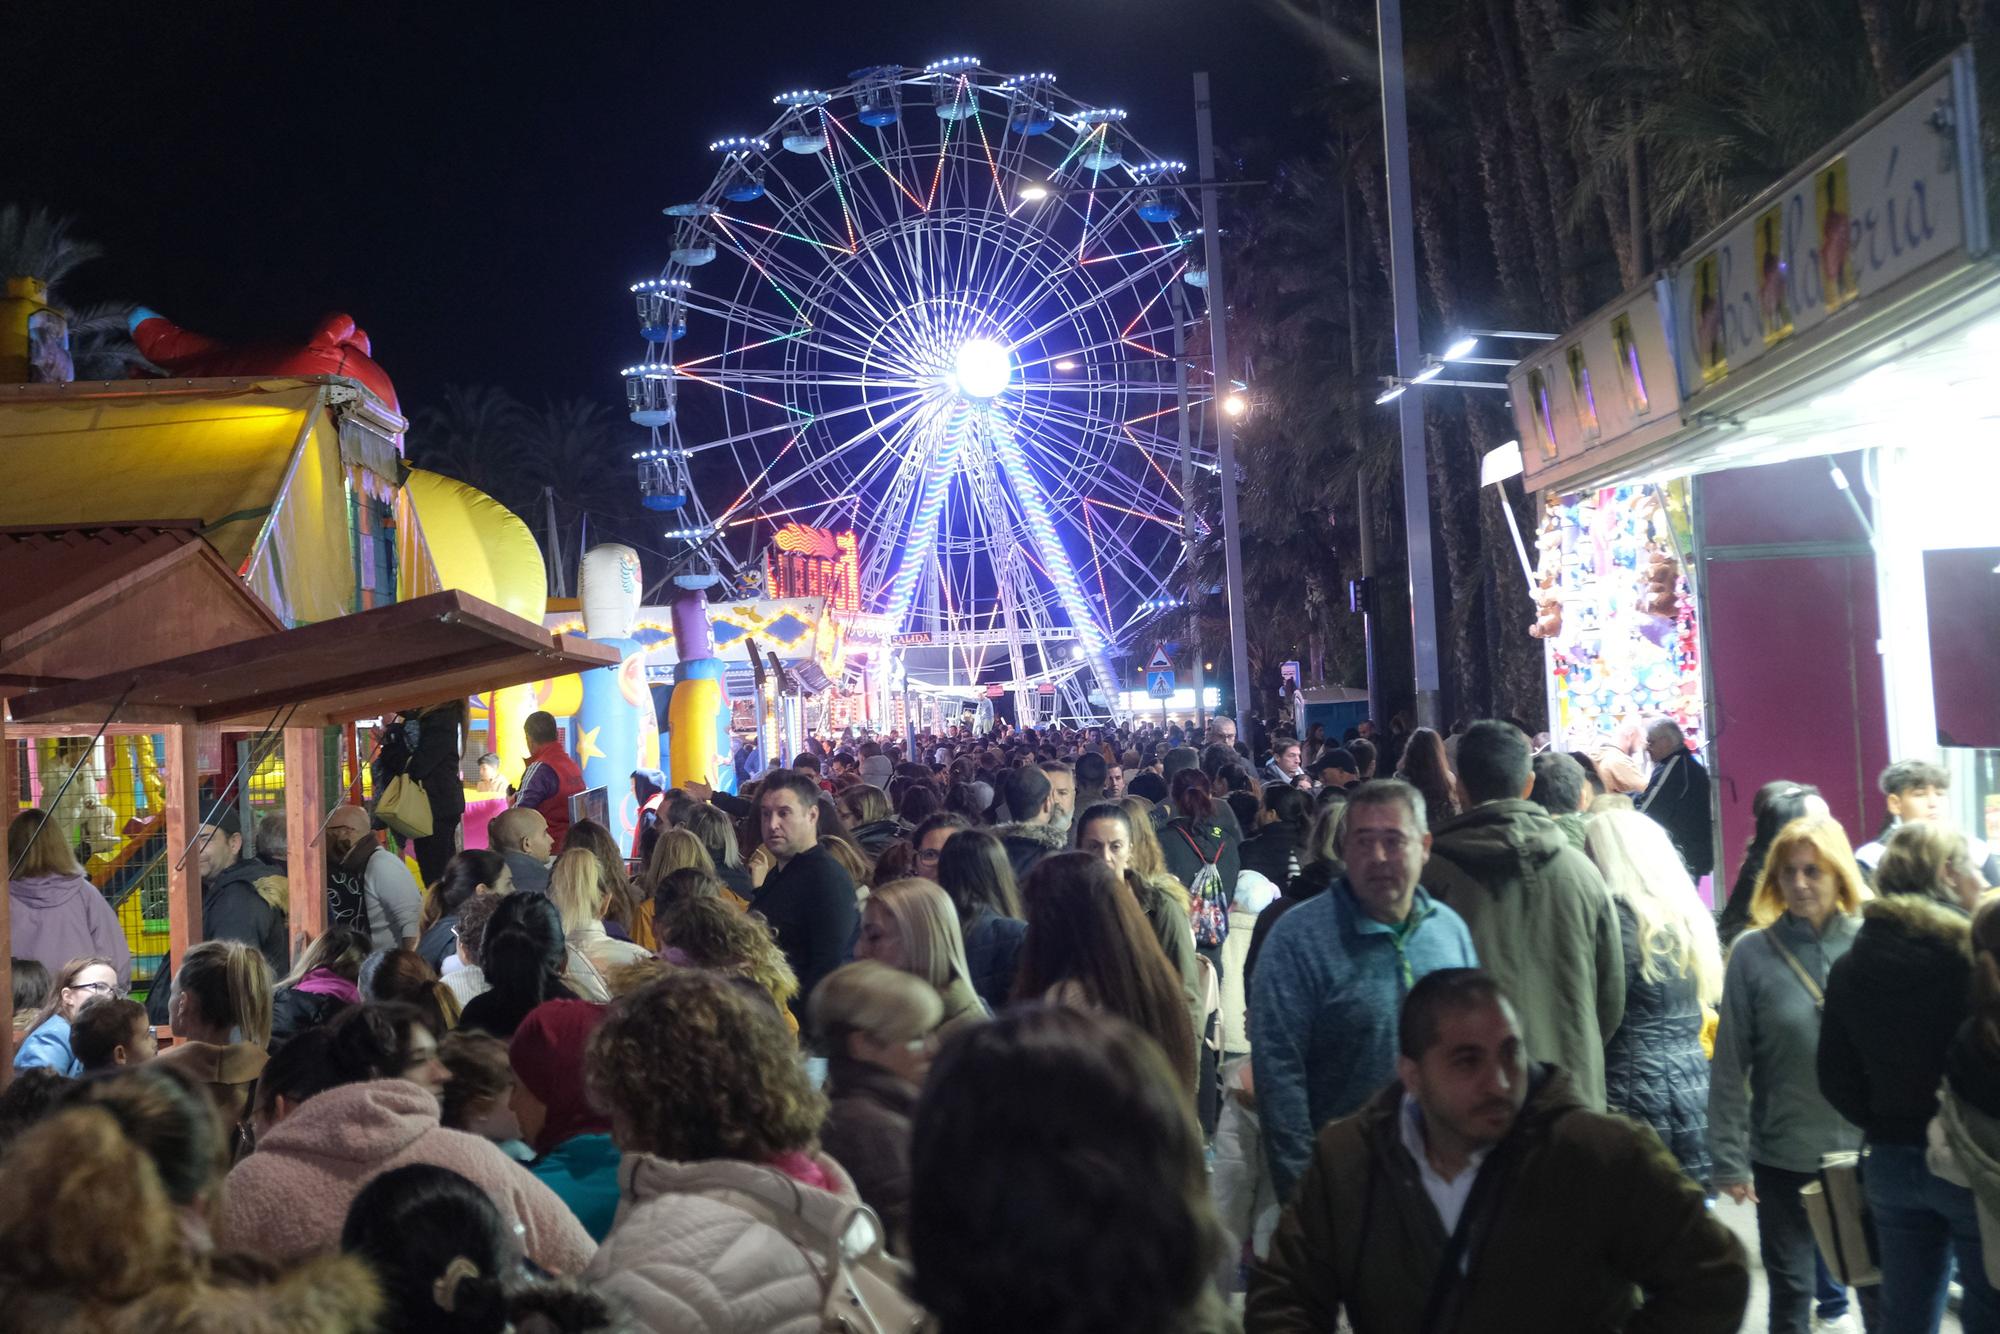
(1893, 1004)
(578, 1160)
(1574, 1216)
(247, 902)
(289, 1199)
(1027, 844)
(229, 1073)
(313, 1000)
(57, 918)
(1544, 926)
(684, 1256)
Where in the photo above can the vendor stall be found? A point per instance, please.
(1817, 378)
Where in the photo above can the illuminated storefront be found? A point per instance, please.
(1807, 402)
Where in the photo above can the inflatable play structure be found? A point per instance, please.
(336, 346)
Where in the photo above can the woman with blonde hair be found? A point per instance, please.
(705, 932)
(626, 914)
(911, 925)
(58, 915)
(221, 1017)
(718, 836)
(576, 886)
(878, 1026)
(323, 982)
(1654, 1067)
(1768, 1123)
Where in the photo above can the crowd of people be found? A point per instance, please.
(1109, 1029)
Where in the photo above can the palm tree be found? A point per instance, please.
(473, 434)
(40, 244)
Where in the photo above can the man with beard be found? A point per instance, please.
(371, 888)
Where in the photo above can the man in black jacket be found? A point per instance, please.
(801, 891)
(242, 898)
(1676, 797)
(1030, 797)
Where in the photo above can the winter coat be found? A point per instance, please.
(1324, 1002)
(993, 953)
(229, 1073)
(1893, 1005)
(683, 1256)
(867, 1132)
(57, 918)
(1677, 799)
(875, 836)
(330, 1294)
(1274, 851)
(1578, 1222)
(1544, 927)
(1254, 893)
(1654, 1068)
(289, 1199)
(1164, 902)
(1028, 844)
(1764, 1101)
(314, 1000)
(962, 1008)
(48, 1048)
(247, 902)
(809, 903)
(583, 1173)
(440, 942)
(605, 954)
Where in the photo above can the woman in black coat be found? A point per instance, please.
(1655, 1069)
(1276, 850)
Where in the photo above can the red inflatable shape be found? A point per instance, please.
(336, 347)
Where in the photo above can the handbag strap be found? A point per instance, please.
(1805, 978)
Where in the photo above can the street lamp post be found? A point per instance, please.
(1225, 425)
(1409, 407)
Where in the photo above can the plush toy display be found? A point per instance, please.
(1612, 602)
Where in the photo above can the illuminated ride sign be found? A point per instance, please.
(807, 562)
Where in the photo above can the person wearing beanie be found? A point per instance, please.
(575, 1156)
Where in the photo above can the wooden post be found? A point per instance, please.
(7, 808)
(183, 822)
(305, 808)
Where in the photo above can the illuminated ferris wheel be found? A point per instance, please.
(941, 308)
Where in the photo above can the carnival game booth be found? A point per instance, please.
(1803, 411)
(147, 519)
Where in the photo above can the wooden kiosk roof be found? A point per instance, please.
(361, 666)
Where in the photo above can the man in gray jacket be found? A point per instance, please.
(1540, 916)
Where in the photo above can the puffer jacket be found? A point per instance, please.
(1543, 924)
(684, 1256)
(1654, 1068)
(1893, 1005)
(289, 1199)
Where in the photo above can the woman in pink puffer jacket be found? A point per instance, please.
(339, 1106)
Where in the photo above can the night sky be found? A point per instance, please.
(478, 185)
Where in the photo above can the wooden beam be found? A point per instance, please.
(305, 807)
(183, 821)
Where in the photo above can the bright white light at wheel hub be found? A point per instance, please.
(982, 368)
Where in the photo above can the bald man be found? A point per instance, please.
(368, 875)
(521, 837)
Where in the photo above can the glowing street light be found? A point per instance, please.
(1462, 347)
(1392, 389)
(1235, 405)
(1431, 371)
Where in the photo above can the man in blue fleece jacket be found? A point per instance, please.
(1331, 978)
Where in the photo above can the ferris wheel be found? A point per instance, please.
(945, 308)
